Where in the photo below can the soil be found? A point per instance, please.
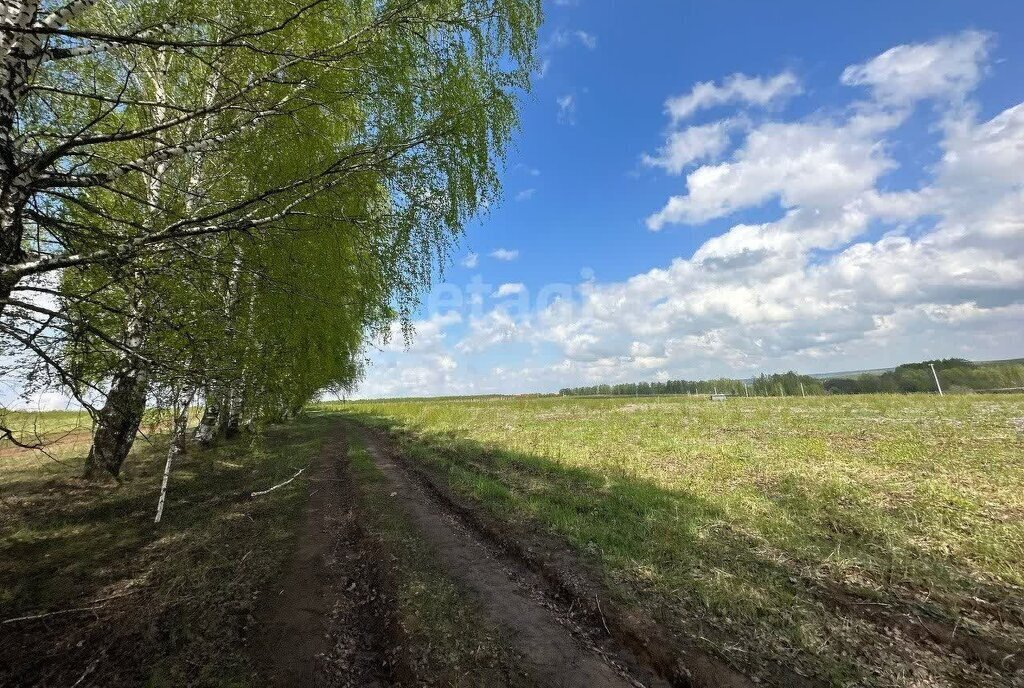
(329, 620)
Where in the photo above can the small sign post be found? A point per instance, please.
(936, 376)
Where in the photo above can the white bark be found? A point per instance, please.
(177, 447)
(60, 17)
(281, 484)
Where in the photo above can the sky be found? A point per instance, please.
(705, 189)
(701, 189)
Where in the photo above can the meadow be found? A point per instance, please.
(870, 540)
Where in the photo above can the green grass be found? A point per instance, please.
(446, 640)
(741, 522)
(183, 590)
(31, 426)
(53, 428)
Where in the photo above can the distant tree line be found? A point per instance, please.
(778, 384)
(955, 375)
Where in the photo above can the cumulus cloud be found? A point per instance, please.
(947, 68)
(505, 254)
(470, 261)
(752, 90)
(825, 164)
(705, 141)
(806, 286)
(819, 164)
(427, 335)
(495, 327)
(509, 289)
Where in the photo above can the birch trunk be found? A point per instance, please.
(228, 421)
(122, 412)
(21, 53)
(176, 448)
(206, 431)
(117, 423)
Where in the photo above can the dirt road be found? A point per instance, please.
(326, 622)
(332, 619)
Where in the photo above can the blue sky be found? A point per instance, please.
(735, 187)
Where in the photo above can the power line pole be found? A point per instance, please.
(936, 376)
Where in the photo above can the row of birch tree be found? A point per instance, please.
(215, 204)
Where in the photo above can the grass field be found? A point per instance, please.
(131, 602)
(819, 532)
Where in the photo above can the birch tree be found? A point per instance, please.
(143, 136)
(423, 78)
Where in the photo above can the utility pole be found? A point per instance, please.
(936, 376)
(802, 392)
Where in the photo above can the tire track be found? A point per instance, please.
(557, 654)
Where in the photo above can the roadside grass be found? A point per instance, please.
(788, 529)
(159, 605)
(446, 641)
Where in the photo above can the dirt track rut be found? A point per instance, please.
(508, 593)
(328, 622)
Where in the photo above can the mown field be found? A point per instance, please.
(872, 540)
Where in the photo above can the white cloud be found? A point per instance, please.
(588, 40)
(564, 37)
(470, 261)
(947, 68)
(428, 335)
(526, 194)
(566, 108)
(751, 90)
(505, 254)
(820, 164)
(705, 141)
(817, 163)
(509, 289)
(493, 328)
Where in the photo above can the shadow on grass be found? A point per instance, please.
(171, 600)
(758, 596)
